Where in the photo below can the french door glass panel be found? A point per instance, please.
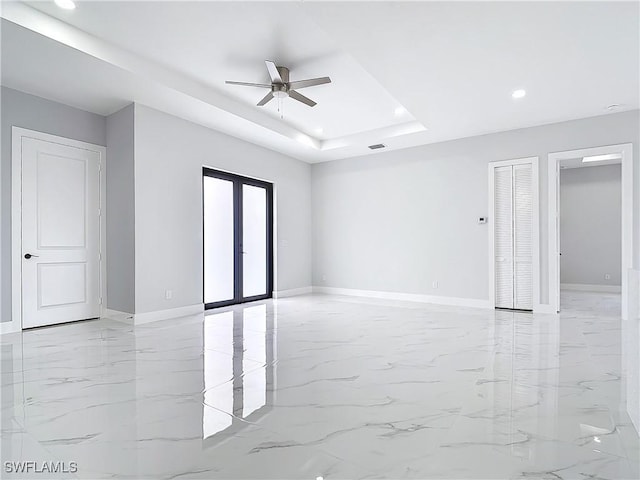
(218, 240)
(254, 240)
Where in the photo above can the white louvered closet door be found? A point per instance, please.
(522, 237)
(503, 232)
(513, 230)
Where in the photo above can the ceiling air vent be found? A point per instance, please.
(377, 146)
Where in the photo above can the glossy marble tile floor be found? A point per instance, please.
(325, 386)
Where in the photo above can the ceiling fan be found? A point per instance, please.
(281, 87)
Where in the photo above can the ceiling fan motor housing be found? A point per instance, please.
(284, 74)
(281, 90)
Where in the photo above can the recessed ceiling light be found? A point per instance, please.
(519, 93)
(66, 4)
(400, 111)
(613, 106)
(601, 158)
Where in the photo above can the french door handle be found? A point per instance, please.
(28, 256)
(244, 253)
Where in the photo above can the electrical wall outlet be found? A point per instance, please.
(435, 284)
(168, 294)
(607, 276)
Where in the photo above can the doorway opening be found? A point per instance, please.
(238, 239)
(590, 229)
(590, 226)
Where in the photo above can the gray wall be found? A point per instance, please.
(170, 154)
(590, 225)
(35, 113)
(398, 221)
(378, 221)
(120, 211)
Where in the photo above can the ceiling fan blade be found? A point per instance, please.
(273, 72)
(247, 84)
(312, 82)
(301, 98)
(266, 99)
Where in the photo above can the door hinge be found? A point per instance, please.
(100, 301)
(100, 167)
(100, 256)
(99, 212)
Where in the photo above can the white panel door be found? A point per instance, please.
(523, 237)
(503, 231)
(60, 233)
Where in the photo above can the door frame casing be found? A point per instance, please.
(626, 149)
(17, 134)
(237, 179)
(535, 232)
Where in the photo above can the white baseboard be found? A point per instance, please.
(293, 292)
(583, 287)
(137, 319)
(408, 297)
(8, 327)
(141, 318)
(548, 309)
(117, 315)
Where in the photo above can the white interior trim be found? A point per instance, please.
(7, 328)
(17, 134)
(407, 297)
(292, 292)
(149, 317)
(141, 318)
(627, 216)
(584, 287)
(117, 315)
(546, 309)
(535, 260)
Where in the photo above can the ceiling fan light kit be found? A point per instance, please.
(281, 87)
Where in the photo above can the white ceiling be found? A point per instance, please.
(451, 65)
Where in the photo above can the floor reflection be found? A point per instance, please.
(241, 380)
(525, 377)
(324, 386)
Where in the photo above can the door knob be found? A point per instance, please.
(28, 256)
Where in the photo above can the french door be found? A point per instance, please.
(238, 238)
